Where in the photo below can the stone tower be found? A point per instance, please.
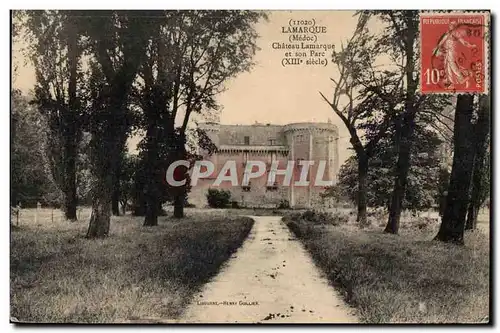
(311, 142)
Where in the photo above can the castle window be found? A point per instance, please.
(246, 188)
(272, 142)
(273, 187)
(300, 167)
(247, 140)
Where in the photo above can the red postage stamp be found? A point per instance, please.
(454, 52)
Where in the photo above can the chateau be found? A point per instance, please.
(270, 143)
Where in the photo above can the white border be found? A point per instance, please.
(185, 4)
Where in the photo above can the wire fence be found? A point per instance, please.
(40, 215)
(49, 215)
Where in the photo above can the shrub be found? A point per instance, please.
(419, 223)
(340, 218)
(218, 198)
(284, 204)
(318, 217)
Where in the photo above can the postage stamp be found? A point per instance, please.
(454, 52)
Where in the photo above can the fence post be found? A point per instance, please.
(38, 206)
(18, 208)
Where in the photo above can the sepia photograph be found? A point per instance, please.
(250, 167)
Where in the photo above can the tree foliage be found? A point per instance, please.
(190, 57)
(56, 51)
(31, 177)
(423, 177)
(366, 97)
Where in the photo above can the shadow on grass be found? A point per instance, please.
(57, 276)
(397, 279)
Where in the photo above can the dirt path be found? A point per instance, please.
(270, 279)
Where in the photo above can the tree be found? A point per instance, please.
(56, 53)
(366, 99)
(443, 183)
(117, 40)
(138, 196)
(398, 43)
(83, 172)
(31, 178)
(400, 37)
(130, 167)
(457, 201)
(481, 171)
(191, 57)
(423, 175)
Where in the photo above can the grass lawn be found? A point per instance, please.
(402, 279)
(58, 276)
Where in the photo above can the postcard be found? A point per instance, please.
(250, 167)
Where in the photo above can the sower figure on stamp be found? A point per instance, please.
(447, 47)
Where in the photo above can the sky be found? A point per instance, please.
(269, 92)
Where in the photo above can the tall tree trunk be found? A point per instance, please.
(71, 128)
(180, 192)
(138, 194)
(100, 217)
(103, 148)
(106, 148)
(402, 170)
(407, 129)
(472, 214)
(115, 196)
(109, 123)
(151, 217)
(362, 178)
(152, 193)
(179, 204)
(482, 129)
(453, 221)
(139, 201)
